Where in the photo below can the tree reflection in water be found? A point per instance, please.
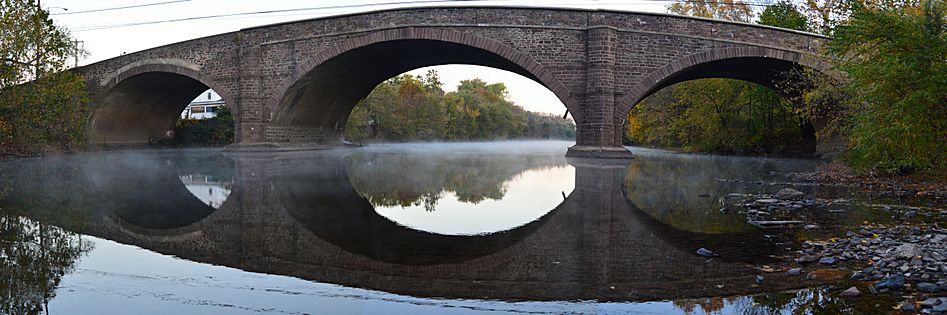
(33, 259)
(460, 194)
(390, 180)
(804, 301)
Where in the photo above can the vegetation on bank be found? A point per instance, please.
(414, 108)
(894, 55)
(214, 131)
(42, 107)
(889, 99)
(724, 115)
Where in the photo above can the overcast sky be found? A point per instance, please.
(107, 34)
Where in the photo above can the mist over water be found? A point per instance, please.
(431, 228)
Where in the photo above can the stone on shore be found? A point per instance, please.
(789, 194)
(706, 252)
(851, 292)
(906, 251)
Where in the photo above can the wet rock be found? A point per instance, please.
(940, 308)
(928, 287)
(908, 307)
(706, 252)
(767, 201)
(807, 259)
(931, 302)
(794, 271)
(851, 292)
(827, 260)
(789, 194)
(894, 282)
(760, 279)
(906, 251)
(904, 268)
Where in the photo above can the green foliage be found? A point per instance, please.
(721, 116)
(49, 112)
(784, 14)
(409, 108)
(894, 55)
(215, 131)
(44, 115)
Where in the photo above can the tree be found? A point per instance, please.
(824, 15)
(41, 106)
(784, 14)
(894, 56)
(721, 115)
(731, 10)
(409, 108)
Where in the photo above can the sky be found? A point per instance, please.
(110, 33)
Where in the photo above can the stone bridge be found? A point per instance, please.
(295, 83)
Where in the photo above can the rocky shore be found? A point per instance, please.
(905, 257)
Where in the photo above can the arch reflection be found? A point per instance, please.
(319, 195)
(147, 193)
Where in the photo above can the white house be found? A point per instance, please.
(204, 106)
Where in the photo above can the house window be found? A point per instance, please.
(208, 95)
(197, 109)
(209, 109)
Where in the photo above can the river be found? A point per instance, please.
(458, 228)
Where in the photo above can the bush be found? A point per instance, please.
(216, 131)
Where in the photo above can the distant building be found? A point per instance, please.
(204, 106)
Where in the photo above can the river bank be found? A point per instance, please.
(898, 251)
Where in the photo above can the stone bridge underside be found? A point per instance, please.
(294, 84)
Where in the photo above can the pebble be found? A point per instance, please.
(827, 261)
(794, 271)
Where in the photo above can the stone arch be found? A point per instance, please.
(457, 47)
(762, 64)
(140, 102)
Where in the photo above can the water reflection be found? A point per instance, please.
(34, 257)
(458, 194)
(209, 189)
(333, 217)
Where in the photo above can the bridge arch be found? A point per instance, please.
(141, 102)
(760, 65)
(336, 78)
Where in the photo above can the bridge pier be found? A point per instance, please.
(599, 135)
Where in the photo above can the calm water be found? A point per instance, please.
(510, 227)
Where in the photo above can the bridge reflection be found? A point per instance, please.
(298, 214)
